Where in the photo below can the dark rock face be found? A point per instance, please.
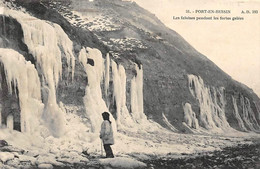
(133, 35)
(11, 36)
(3, 143)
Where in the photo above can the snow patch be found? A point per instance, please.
(45, 166)
(122, 162)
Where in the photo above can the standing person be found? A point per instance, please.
(106, 134)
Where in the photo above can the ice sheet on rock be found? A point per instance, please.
(168, 123)
(212, 105)
(122, 162)
(237, 115)
(46, 41)
(245, 116)
(190, 117)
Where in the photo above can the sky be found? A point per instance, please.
(232, 45)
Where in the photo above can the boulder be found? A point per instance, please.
(5, 156)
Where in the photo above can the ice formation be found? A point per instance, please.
(0, 113)
(166, 121)
(212, 105)
(257, 106)
(23, 75)
(10, 122)
(245, 116)
(47, 42)
(137, 110)
(237, 115)
(107, 74)
(0, 109)
(94, 103)
(119, 94)
(1, 9)
(190, 117)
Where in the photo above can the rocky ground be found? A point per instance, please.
(241, 156)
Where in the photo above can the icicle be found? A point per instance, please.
(67, 45)
(119, 94)
(10, 122)
(24, 76)
(107, 74)
(4, 27)
(117, 91)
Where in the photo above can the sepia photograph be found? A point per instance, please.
(129, 84)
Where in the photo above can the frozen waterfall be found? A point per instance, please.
(22, 75)
(47, 43)
(94, 103)
(237, 115)
(137, 109)
(212, 106)
(119, 94)
(245, 116)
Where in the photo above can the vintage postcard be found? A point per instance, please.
(129, 84)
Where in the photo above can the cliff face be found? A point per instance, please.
(149, 70)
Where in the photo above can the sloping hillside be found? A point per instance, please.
(132, 34)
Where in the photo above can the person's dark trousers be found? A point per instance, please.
(108, 150)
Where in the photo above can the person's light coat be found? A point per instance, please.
(106, 133)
